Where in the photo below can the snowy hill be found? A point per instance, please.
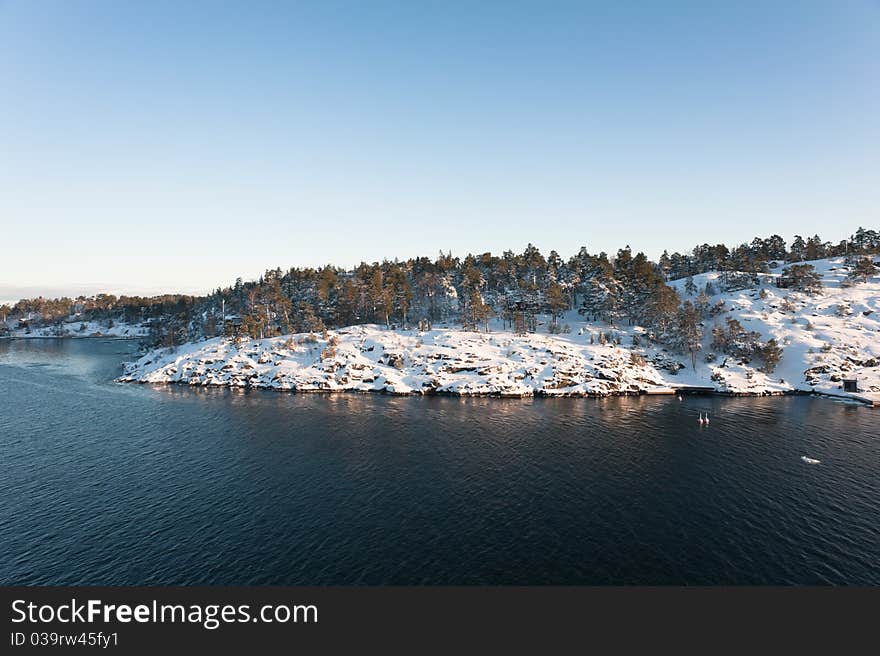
(825, 337)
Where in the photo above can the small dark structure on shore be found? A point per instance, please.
(851, 385)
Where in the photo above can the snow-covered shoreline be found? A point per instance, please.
(825, 337)
(453, 362)
(96, 336)
(78, 329)
(372, 359)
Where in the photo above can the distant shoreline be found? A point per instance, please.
(113, 337)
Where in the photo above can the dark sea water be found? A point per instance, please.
(104, 483)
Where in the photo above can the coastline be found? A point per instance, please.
(456, 363)
(856, 400)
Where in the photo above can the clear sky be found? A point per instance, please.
(176, 145)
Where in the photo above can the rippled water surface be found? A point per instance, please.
(126, 484)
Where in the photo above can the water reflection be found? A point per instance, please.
(112, 483)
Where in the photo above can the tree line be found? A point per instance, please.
(515, 288)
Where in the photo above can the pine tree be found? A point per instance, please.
(690, 334)
(557, 301)
(771, 353)
(864, 268)
(798, 249)
(702, 303)
(480, 311)
(803, 277)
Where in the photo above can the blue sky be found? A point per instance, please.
(176, 145)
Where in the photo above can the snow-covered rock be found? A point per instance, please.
(370, 358)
